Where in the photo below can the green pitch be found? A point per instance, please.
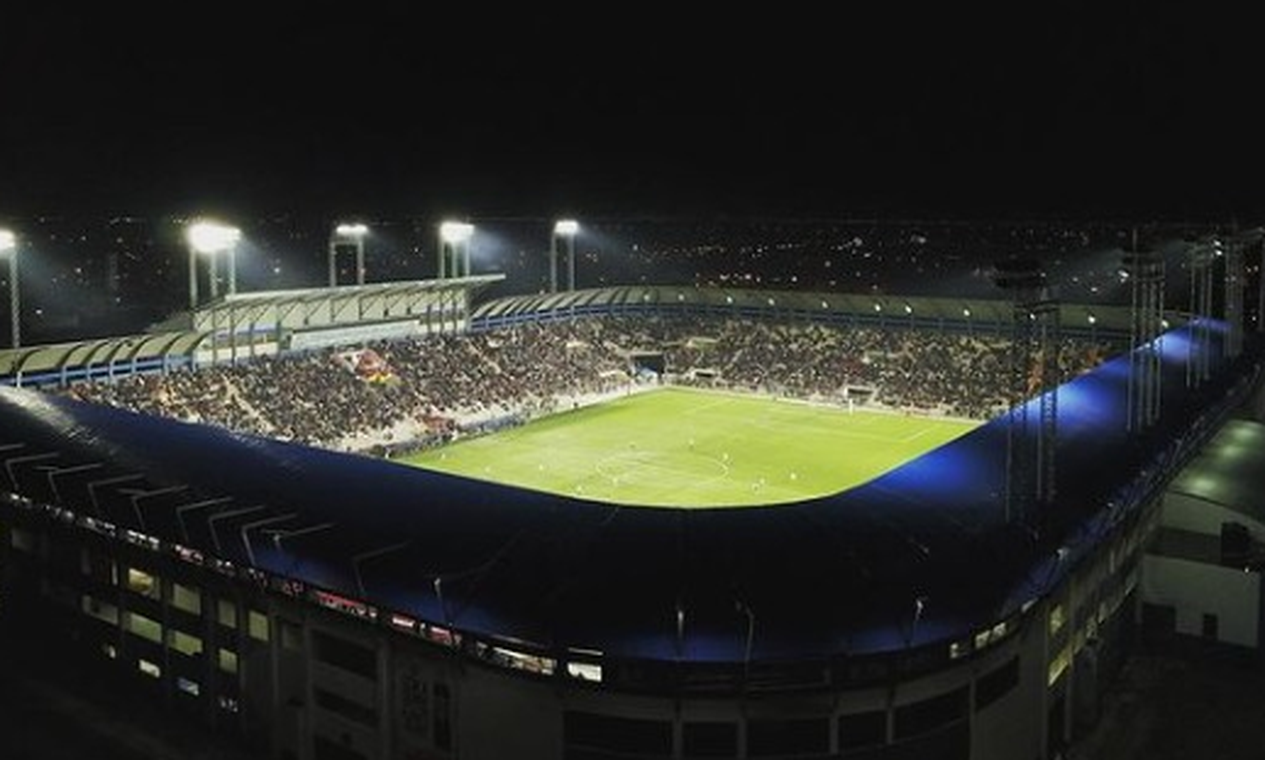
(678, 447)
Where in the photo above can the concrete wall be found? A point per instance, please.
(1200, 516)
(1011, 727)
(1195, 589)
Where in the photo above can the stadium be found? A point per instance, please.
(396, 520)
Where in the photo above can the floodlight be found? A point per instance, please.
(566, 227)
(351, 230)
(211, 237)
(455, 232)
(8, 241)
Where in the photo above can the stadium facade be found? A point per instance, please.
(333, 606)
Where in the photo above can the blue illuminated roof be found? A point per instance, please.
(844, 574)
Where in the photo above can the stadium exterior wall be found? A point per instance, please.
(303, 679)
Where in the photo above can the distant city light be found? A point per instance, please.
(1092, 319)
(566, 227)
(455, 232)
(212, 237)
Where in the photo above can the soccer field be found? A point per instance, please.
(679, 447)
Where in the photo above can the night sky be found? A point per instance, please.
(630, 109)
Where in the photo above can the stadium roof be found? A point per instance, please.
(100, 351)
(1230, 470)
(920, 555)
(777, 302)
(295, 309)
(278, 310)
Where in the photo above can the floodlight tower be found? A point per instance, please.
(1034, 371)
(348, 234)
(211, 239)
(566, 229)
(1253, 240)
(1203, 255)
(1232, 252)
(1145, 271)
(9, 250)
(454, 249)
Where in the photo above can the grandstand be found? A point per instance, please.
(326, 605)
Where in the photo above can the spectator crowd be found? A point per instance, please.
(438, 386)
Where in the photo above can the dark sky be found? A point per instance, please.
(630, 108)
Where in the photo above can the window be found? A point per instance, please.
(995, 685)
(257, 625)
(443, 718)
(186, 598)
(1056, 619)
(188, 687)
(336, 703)
(800, 736)
(291, 636)
(228, 661)
(325, 749)
(930, 714)
(631, 736)
(1209, 629)
(143, 583)
(100, 610)
(585, 671)
(22, 540)
(100, 568)
(147, 628)
(344, 654)
(1060, 663)
(148, 668)
(710, 739)
(227, 613)
(865, 729)
(181, 642)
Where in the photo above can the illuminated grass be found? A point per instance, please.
(680, 447)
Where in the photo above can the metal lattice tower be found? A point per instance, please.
(1199, 349)
(1256, 239)
(1033, 371)
(1146, 277)
(1232, 251)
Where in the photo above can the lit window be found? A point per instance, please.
(258, 625)
(146, 628)
(186, 598)
(142, 583)
(188, 687)
(1056, 619)
(228, 661)
(585, 671)
(1060, 663)
(183, 643)
(227, 613)
(149, 668)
